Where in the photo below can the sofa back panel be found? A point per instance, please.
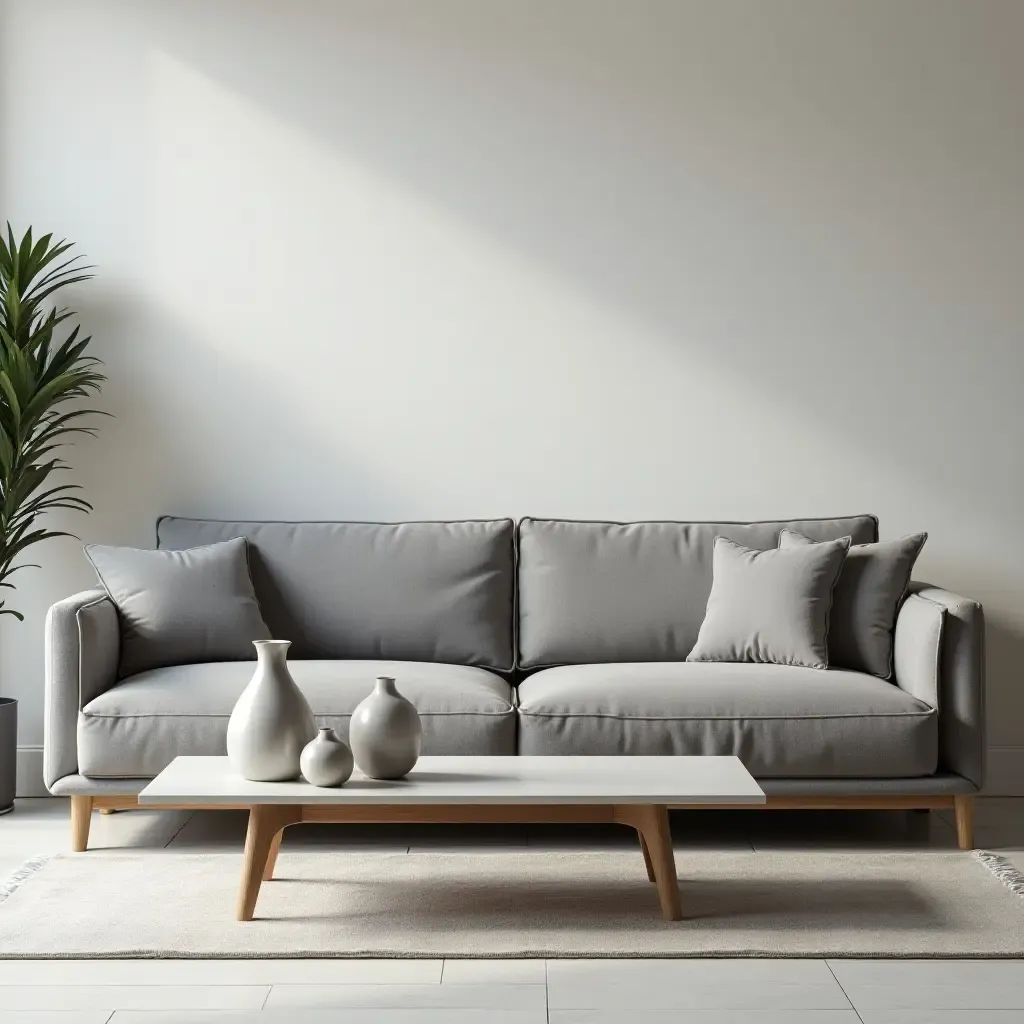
(439, 592)
(610, 592)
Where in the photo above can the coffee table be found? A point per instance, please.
(633, 791)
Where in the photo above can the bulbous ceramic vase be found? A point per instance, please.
(385, 733)
(272, 720)
(326, 760)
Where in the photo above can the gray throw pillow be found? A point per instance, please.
(181, 607)
(770, 606)
(871, 586)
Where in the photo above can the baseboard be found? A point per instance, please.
(30, 772)
(1005, 776)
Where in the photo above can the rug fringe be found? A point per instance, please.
(21, 875)
(1002, 869)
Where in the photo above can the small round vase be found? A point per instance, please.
(326, 760)
(272, 720)
(385, 733)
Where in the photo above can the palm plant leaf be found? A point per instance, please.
(39, 375)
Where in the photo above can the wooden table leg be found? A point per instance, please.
(275, 849)
(265, 824)
(647, 858)
(652, 824)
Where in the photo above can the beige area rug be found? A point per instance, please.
(515, 903)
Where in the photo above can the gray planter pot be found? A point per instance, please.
(8, 752)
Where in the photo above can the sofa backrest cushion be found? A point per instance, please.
(619, 592)
(440, 592)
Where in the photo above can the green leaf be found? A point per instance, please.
(45, 370)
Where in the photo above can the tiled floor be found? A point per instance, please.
(514, 991)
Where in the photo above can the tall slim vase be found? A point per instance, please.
(272, 720)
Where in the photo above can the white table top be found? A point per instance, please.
(478, 780)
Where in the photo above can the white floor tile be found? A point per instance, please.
(473, 997)
(704, 1017)
(133, 997)
(998, 822)
(494, 971)
(995, 810)
(332, 1016)
(1000, 838)
(43, 825)
(668, 971)
(941, 997)
(932, 984)
(1014, 856)
(850, 830)
(217, 972)
(54, 1016)
(580, 837)
(927, 973)
(224, 832)
(693, 832)
(942, 1016)
(693, 985)
(468, 838)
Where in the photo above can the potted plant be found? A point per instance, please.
(44, 375)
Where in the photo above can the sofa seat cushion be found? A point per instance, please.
(136, 728)
(781, 721)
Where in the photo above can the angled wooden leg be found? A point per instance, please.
(652, 824)
(963, 809)
(265, 823)
(275, 849)
(81, 818)
(647, 857)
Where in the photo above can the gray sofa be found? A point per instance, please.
(545, 637)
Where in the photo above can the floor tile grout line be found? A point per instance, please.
(547, 994)
(843, 990)
(178, 832)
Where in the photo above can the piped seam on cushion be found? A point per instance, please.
(727, 718)
(321, 714)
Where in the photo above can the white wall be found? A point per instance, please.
(397, 259)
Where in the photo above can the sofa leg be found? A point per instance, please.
(81, 817)
(963, 808)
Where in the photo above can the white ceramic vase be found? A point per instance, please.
(326, 760)
(272, 720)
(385, 733)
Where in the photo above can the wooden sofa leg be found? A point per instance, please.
(963, 808)
(81, 817)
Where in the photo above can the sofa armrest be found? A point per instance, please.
(917, 648)
(961, 679)
(83, 645)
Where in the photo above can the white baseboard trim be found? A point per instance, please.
(1005, 775)
(30, 772)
